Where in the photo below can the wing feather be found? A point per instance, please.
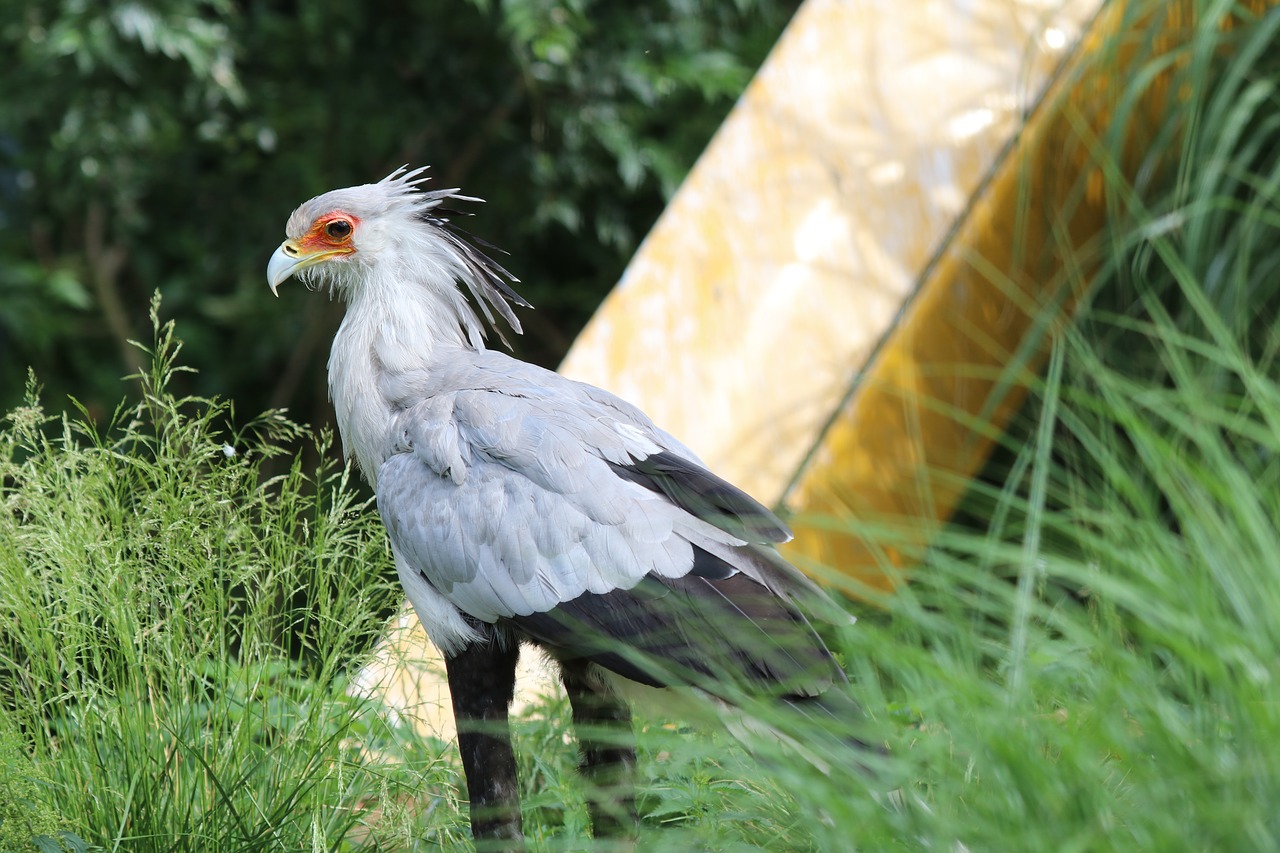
(521, 496)
(692, 630)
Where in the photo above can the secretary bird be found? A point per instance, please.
(523, 506)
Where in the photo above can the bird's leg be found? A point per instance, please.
(482, 681)
(606, 742)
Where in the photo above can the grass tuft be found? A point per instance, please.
(179, 628)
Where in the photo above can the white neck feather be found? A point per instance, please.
(404, 311)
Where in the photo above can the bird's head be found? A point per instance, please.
(346, 238)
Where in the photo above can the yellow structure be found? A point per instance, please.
(900, 452)
(753, 306)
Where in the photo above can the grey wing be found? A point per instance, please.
(497, 543)
(506, 504)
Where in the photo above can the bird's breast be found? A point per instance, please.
(361, 408)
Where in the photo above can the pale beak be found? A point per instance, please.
(290, 259)
(287, 260)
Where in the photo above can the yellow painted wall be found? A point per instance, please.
(787, 253)
(899, 454)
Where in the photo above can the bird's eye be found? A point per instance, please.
(338, 229)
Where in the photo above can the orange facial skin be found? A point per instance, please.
(327, 236)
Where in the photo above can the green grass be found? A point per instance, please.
(178, 631)
(1087, 661)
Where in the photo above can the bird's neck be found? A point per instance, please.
(396, 326)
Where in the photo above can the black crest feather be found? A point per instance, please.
(490, 282)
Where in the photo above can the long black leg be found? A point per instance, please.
(482, 680)
(606, 742)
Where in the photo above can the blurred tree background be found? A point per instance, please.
(161, 145)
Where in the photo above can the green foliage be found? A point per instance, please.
(148, 142)
(27, 820)
(177, 633)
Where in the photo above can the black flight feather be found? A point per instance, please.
(703, 494)
(692, 630)
(488, 279)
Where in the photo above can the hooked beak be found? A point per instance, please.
(290, 258)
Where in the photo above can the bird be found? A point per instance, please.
(523, 507)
